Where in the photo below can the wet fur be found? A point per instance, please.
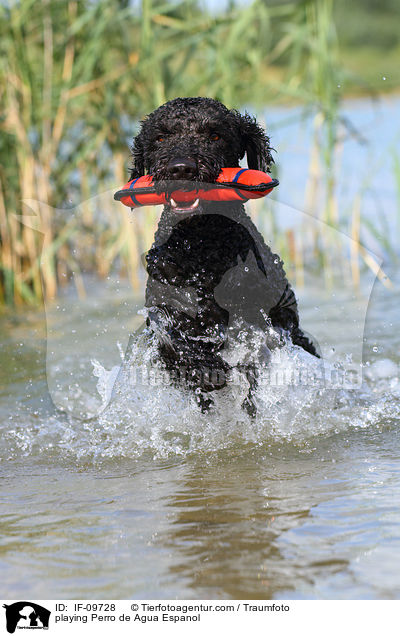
(210, 270)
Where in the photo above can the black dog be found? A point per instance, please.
(211, 276)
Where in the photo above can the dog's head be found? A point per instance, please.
(192, 139)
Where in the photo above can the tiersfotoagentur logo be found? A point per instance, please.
(26, 615)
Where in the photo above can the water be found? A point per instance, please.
(131, 492)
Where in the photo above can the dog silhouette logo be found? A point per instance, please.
(26, 615)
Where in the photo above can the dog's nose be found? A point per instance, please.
(182, 168)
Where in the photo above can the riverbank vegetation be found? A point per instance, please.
(75, 77)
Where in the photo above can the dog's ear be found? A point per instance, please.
(137, 169)
(255, 144)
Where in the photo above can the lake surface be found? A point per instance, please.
(114, 487)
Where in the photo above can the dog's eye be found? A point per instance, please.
(160, 138)
(214, 137)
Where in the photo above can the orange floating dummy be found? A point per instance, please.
(232, 184)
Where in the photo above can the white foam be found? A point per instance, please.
(294, 403)
(144, 413)
(384, 368)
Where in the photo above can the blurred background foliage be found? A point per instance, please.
(76, 77)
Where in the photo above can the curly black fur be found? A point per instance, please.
(209, 269)
(184, 127)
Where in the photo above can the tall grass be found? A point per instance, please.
(75, 76)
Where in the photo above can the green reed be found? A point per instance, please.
(75, 76)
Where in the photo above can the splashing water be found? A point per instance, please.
(144, 413)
